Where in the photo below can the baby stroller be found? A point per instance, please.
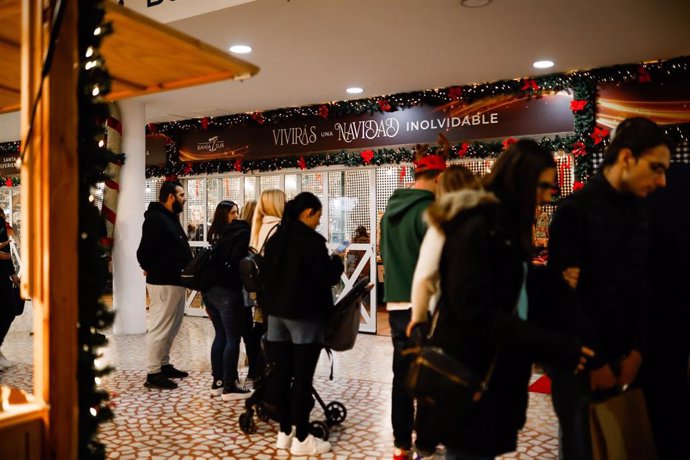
(263, 403)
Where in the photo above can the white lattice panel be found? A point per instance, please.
(196, 208)
(271, 182)
(292, 186)
(250, 189)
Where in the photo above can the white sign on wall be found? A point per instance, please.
(173, 10)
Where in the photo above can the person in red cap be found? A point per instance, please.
(402, 231)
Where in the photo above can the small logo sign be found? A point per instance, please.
(212, 145)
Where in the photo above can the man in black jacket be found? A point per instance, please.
(163, 253)
(7, 279)
(599, 239)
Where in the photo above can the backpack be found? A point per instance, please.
(342, 325)
(200, 272)
(250, 266)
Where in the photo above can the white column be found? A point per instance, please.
(129, 284)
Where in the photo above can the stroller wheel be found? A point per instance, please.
(261, 413)
(336, 413)
(247, 424)
(319, 429)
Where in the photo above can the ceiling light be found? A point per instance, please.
(354, 90)
(543, 64)
(475, 3)
(240, 49)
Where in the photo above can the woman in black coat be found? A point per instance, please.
(298, 276)
(224, 301)
(483, 267)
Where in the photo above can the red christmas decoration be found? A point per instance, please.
(301, 163)
(367, 156)
(323, 112)
(464, 148)
(577, 185)
(529, 84)
(643, 75)
(599, 134)
(508, 142)
(187, 168)
(151, 127)
(455, 93)
(579, 149)
(258, 117)
(384, 105)
(238, 165)
(403, 173)
(204, 123)
(8, 182)
(171, 177)
(577, 105)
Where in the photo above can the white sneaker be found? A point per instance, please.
(285, 440)
(6, 363)
(310, 446)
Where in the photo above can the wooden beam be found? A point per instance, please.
(49, 218)
(10, 7)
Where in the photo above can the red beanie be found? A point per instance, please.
(430, 163)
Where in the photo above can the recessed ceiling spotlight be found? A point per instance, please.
(475, 3)
(354, 90)
(543, 64)
(240, 49)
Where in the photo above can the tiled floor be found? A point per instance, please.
(187, 424)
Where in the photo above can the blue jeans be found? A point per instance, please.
(225, 308)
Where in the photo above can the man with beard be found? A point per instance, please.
(163, 253)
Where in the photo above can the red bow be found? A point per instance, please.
(323, 112)
(204, 123)
(599, 134)
(258, 117)
(151, 127)
(579, 149)
(462, 151)
(301, 163)
(171, 177)
(455, 93)
(384, 105)
(529, 83)
(643, 75)
(403, 173)
(187, 168)
(367, 156)
(8, 182)
(577, 185)
(238, 165)
(508, 142)
(577, 105)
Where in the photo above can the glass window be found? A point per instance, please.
(250, 189)
(292, 186)
(195, 209)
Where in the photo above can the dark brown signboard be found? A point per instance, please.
(155, 150)
(497, 117)
(8, 164)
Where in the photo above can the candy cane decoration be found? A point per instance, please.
(111, 193)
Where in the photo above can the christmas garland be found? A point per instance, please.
(94, 82)
(588, 139)
(9, 147)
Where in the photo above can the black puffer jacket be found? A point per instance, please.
(298, 273)
(230, 249)
(163, 251)
(481, 277)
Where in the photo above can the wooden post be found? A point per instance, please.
(49, 218)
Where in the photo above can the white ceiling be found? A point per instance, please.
(309, 51)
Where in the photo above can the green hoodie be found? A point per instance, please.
(402, 231)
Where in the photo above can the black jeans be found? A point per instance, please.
(224, 307)
(402, 410)
(296, 363)
(252, 341)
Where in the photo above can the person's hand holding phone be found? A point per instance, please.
(342, 247)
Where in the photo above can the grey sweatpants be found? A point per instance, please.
(165, 318)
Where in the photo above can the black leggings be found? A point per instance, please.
(296, 363)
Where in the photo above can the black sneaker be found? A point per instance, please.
(169, 371)
(235, 392)
(159, 381)
(217, 387)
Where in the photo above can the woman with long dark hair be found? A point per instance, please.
(299, 275)
(481, 321)
(224, 301)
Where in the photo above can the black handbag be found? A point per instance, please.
(18, 302)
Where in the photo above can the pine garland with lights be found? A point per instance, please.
(94, 82)
(586, 140)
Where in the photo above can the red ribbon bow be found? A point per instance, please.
(577, 185)
(323, 112)
(258, 117)
(8, 182)
(151, 127)
(462, 151)
(579, 149)
(171, 177)
(367, 156)
(455, 93)
(643, 75)
(577, 105)
(301, 163)
(599, 134)
(384, 105)
(403, 173)
(508, 142)
(204, 123)
(238, 165)
(187, 168)
(528, 84)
